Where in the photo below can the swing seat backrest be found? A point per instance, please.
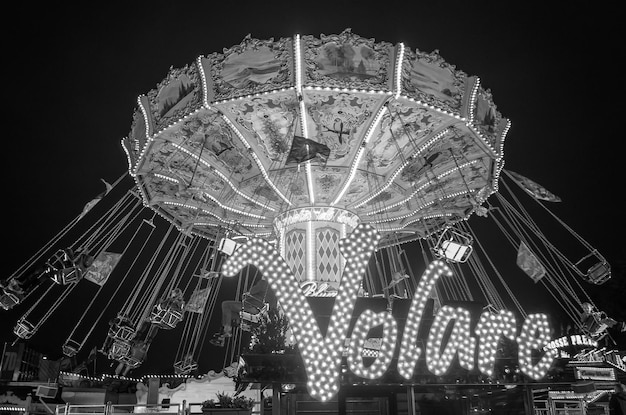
(122, 332)
(593, 325)
(599, 273)
(185, 367)
(8, 300)
(165, 318)
(70, 348)
(24, 329)
(119, 349)
(251, 302)
(248, 318)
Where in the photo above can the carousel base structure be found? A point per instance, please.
(580, 385)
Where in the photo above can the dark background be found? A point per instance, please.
(73, 74)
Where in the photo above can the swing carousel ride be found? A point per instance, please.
(283, 149)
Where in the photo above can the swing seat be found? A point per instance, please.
(453, 245)
(248, 319)
(137, 354)
(62, 269)
(184, 367)
(121, 332)
(70, 348)
(228, 246)
(8, 300)
(599, 273)
(24, 329)
(594, 268)
(119, 350)
(165, 318)
(66, 268)
(250, 301)
(131, 362)
(66, 276)
(594, 326)
(121, 328)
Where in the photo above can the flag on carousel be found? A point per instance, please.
(102, 267)
(198, 300)
(97, 199)
(93, 353)
(529, 263)
(304, 149)
(534, 189)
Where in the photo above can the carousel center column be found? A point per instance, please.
(308, 240)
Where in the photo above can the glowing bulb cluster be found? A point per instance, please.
(490, 329)
(321, 354)
(534, 336)
(459, 340)
(409, 350)
(366, 321)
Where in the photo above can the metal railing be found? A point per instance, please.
(113, 409)
(148, 409)
(569, 407)
(541, 407)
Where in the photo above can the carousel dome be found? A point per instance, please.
(340, 128)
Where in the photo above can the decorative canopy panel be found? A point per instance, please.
(413, 144)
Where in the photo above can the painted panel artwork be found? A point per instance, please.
(400, 133)
(430, 78)
(175, 94)
(250, 68)
(327, 183)
(487, 118)
(341, 61)
(338, 122)
(268, 124)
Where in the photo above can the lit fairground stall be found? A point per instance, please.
(362, 186)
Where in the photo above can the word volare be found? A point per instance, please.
(322, 355)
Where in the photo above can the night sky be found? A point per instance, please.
(74, 74)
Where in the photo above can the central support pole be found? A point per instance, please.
(308, 240)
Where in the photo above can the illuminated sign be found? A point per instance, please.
(595, 373)
(315, 289)
(612, 357)
(322, 355)
(308, 214)
(576, 340)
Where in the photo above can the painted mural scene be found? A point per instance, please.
(306, 226)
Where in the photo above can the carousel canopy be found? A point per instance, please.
(272, 132)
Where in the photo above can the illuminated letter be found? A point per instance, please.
(460, 340)
(366, 321)
(534, 335)
(490, 328)
(321, 355)
(409, 350)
